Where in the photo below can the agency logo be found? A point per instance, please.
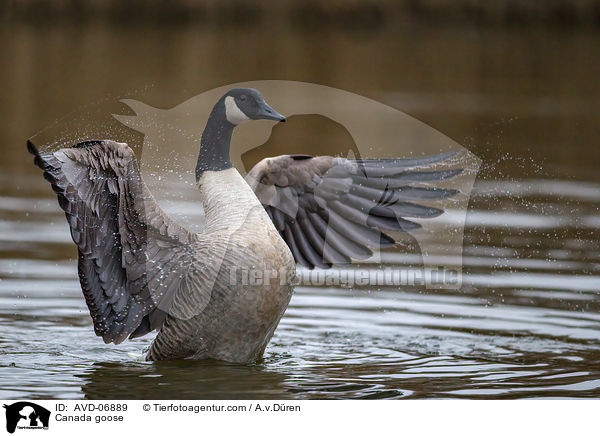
(26, 415)
(345, 179)
(378, 179)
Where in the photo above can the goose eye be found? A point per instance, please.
(242, 97)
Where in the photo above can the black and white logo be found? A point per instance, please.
(26, 415)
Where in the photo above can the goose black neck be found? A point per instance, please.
(214, 145)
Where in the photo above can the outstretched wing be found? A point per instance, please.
(330, 210)
(132, 256)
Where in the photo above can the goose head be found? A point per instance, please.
(245, 104)
(235, 107)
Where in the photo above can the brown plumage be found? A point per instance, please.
(140, 271)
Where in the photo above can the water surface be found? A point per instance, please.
(526, 321)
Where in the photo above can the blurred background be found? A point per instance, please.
(514, 81)
(502, 76)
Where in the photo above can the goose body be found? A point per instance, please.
(241, 316)
(221, 293)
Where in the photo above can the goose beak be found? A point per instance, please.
(266, 112)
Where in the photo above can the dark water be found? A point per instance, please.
(526, 321)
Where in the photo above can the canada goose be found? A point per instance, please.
(141, 271)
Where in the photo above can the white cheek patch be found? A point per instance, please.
(233, 113)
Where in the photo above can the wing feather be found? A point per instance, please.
(331, 210)
(131, 254)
